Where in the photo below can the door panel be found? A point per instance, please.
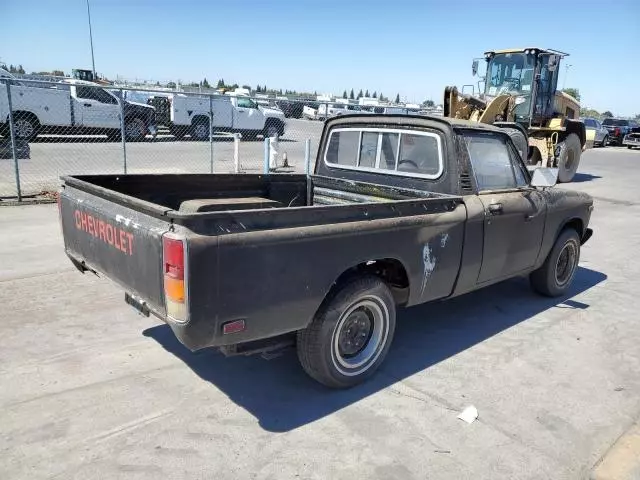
(98, 109)
(248, 116)
(514, 224)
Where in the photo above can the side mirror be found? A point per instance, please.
(474, 67)
(553, 63)
(544, 177)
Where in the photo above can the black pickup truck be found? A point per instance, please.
(400, 210)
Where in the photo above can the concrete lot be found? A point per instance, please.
(53, 156)
(92, 390)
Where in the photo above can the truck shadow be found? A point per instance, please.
(281, 396)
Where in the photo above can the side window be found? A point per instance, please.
(84, 92)
(246, 103)
(343, 148)
(491, 162)
(589, 123)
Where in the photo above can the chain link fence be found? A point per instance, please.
(54, 128)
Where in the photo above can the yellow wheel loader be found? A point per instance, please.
(521, 95)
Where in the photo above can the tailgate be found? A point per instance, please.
(119, 242)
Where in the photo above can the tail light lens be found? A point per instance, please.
(616, 132)
(173, 260)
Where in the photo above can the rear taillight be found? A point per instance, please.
(173, 262)
(616, 132)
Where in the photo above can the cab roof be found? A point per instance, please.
(410, 119)
(520, 50)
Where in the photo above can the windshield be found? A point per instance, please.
(616, 123)
(510, 73)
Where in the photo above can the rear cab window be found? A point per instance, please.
(412, 153)
(495, 163)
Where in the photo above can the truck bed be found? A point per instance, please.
(263, 248)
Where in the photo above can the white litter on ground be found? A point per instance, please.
(469, 414)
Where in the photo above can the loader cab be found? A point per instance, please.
(530, 76)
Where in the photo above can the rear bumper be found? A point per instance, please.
(632, 139)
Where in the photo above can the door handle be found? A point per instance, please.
(530, 216)
(87, 104)
(495, 209)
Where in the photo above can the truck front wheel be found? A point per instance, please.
(555, 275)
(350, 334)
(134, 130)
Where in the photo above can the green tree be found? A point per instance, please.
(607, 114)
(360, 94)
(171, 85)
(397, 98)
(574, 92)
(205, 83)
(382, 97)
(344, 94)
(248, 87)
(429, 103)
(220, 83)
(637, 117)
(280, 92)
(366, 94)
(375, 94)
(58, 73)
(21, 70)
(12, 69)
(351, 95)
(258, 90)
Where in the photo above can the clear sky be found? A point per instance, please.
(411, 47)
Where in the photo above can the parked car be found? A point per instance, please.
(291, 108)
(632, 139)
(189, 115)
(310, 111)
(71, 107)
(617, 128)
(596, 134)
(401, 210)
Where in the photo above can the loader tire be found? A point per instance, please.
(569, 157)
(520, 142)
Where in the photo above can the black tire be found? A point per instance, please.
(605, 141)
(134, 129)
(569, 158)
(25, 126)
(200, 129)
(629, 147)
(350, 334)
(114, 136)
(554, 278)
(272, 129)
(520, 142)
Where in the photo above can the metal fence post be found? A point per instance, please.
(14, 149)
(307, 156)
(266, 155)
(236, 152)
(123, 131)
(210, 134)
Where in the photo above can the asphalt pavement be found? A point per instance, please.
(91, 390)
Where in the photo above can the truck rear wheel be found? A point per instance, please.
(25, 126)
(134, 130)
(555, 275)
(200, 129)
(350, 334)
(569, 157)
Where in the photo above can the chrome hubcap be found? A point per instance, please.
(566, 264)
(360, 336)
(23, 127)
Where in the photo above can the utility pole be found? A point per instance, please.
(93, 62)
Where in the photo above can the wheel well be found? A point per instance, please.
(24, 114)
(200, 119)
(577, 127)
(390, 270)
(273, 121)
(576, 224)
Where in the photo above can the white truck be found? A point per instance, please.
(189, 115)
(70, 107)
